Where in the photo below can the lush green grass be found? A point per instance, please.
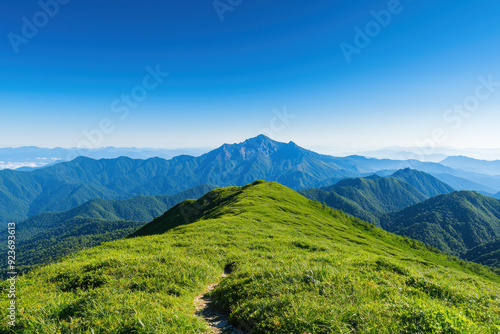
(295, 267)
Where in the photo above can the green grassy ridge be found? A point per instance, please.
(296, 266)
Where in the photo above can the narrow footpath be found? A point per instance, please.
(217, 321)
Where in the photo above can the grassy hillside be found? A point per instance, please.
(77, 233)
(454, 223)
(294, 266)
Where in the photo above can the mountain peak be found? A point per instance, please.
(220, 202)
(261, 136)
(409, 172)
(406, 170)
(425, 183)
(261, 139)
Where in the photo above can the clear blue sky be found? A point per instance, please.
(227, 76)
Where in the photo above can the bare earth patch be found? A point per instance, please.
(217, 321)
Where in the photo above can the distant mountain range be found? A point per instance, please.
(459, 179)
(66, 185)
(368, 198)
(418, 205)
(454, 223)
(473, 165)
(30, 157)
(460, 183)
(437, 154)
